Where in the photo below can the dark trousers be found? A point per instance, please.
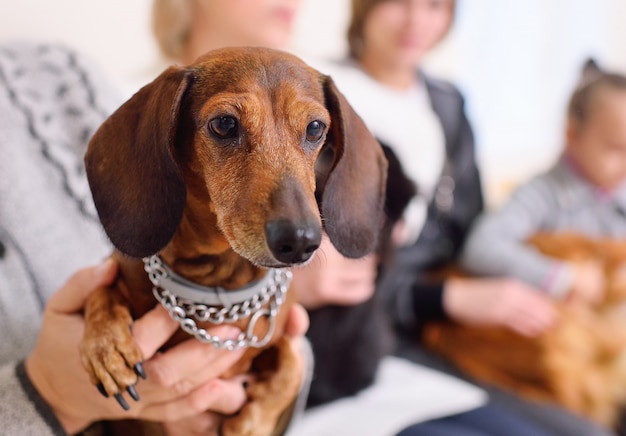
(488, 420)
(553, 419)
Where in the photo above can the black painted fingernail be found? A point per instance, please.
(133, 393)
(121, 401)
(103, 391)
(139, 370)
(245, 384)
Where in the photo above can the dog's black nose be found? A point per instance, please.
(291, 242)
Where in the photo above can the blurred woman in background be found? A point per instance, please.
(186, 29)
(422, 120)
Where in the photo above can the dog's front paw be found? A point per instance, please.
(112, 359)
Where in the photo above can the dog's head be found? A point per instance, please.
(232, 142)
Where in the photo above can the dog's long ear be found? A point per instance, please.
(136, 185)
(353, 195)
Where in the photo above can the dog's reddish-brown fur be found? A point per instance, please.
(163, 183)
(579, 363)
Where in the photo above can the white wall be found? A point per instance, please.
(116, 33)
(515, 60)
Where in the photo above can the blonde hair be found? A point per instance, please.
(360, 11)
(171, 23)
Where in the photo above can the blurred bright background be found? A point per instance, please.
(516, 61)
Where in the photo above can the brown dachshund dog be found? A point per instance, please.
(580, 363)
(213, 168)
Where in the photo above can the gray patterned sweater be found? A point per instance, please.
(559, 200)
(51, 101)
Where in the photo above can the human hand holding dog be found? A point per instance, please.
(588, 284)
(208, 423)
(499, 302)
(181, 383)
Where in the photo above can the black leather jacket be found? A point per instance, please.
(411, 297)
(348, 342)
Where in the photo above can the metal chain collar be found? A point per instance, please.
(187, 312)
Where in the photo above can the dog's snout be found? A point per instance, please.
(292, 242)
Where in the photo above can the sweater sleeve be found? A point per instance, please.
(497, 244)
(22, 410)
(51, 100)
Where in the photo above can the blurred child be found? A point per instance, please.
(584, 192)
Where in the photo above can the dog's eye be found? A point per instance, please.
(224, 127)
(315, 131)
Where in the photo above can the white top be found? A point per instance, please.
(406, 122)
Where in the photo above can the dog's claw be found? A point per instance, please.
(139, 370)
(122, 402)
(133, 393)
(101, 389)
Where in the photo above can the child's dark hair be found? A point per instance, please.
(592, 79)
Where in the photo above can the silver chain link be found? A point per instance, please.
(187, 312)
